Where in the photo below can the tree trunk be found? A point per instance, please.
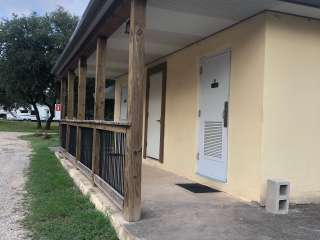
(34, 105)
(49, 121)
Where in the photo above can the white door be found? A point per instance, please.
(213, 116)
(154, 115)
(124, 104)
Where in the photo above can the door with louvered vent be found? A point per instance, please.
(213, 116)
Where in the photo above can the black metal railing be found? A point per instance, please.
(112, 158)
(63, 135)
(73, 140)
(110, 140)
(86, 147)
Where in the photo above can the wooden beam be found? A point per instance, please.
(96, 152)
(102, 26)
(136, 83)
(82, 68)
(70, 110)
(100, 85)
(82, 83)
(67, 138)
(99, 100)
(63, 93)
(78, 148)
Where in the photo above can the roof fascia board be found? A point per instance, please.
(304, 3)
(79, 43)
(83, 23)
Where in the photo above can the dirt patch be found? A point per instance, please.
(14, 160)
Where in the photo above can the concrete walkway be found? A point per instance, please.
(14, 159)
(171, 212)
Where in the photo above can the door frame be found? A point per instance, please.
(162, 67)
(121, 105)
(211, 55)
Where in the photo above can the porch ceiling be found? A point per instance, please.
(174, 24)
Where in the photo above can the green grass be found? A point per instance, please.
(23, 126)
(57, 209)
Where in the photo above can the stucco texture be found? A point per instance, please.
(246, 42)
(291, 130)
(273, 119)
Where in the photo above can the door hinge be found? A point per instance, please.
(200, 70)
(198, 156)
(199, 113)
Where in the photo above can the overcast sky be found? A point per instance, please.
(7, 7)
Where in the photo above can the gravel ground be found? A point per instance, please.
(14, 159)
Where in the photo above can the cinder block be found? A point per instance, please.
(277, 199)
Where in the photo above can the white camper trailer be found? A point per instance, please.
(30, 114)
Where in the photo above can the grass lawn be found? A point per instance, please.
(57, 209)
(23, 126)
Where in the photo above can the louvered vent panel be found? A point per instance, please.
(213, 139)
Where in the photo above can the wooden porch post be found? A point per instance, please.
(70, 105)
(136, 79)
(101, 57)
(82, 68)
(70, 110)
(99, 100)
(63, 90)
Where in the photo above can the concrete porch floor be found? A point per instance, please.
(171, 212)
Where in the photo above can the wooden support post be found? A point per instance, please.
(136, 83)
(63, 92)
(82, 88)
(67, 138)
(70, 105)
(78, 148)
(96, 152)
(82, 68)
(70, 110)
(99, 100)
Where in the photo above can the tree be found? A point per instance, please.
(29, 47)
(6, 100)
(62, 25)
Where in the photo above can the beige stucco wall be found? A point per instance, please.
(274, 107)
(291, 130)
(246, 41)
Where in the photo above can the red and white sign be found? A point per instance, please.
(58, 107)
(57, 111)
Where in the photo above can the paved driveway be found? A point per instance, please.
(14, 159)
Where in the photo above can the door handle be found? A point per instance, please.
(226, 114)
(158, 120)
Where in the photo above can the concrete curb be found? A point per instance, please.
(100, 201)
